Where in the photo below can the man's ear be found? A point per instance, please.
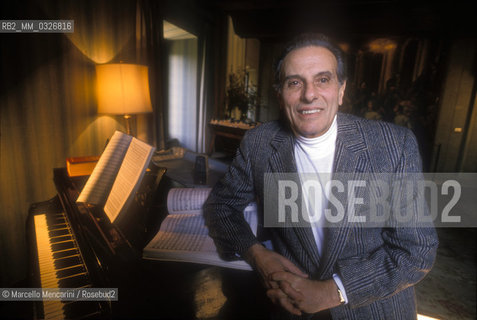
(341, 92)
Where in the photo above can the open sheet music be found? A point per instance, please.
(117, 174)
(183, 235)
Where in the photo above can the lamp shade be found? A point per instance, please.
(123, 89)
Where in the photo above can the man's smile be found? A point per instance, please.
(310, 111)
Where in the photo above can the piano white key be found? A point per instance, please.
(52, 309)
(52, 306)
(50, 233)
(43, 244)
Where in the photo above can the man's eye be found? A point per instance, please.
(323, 80)
(293, 83)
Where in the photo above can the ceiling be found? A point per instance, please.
(268, 19)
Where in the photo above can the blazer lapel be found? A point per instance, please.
(282, 160)
(350, 158)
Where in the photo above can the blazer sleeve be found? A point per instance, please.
(406, 255)
(223, 210)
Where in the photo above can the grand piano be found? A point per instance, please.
(73, 245)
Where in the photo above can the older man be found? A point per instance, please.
(313, 271)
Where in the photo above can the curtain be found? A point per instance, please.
(203, 114)
(152, 51)
(182, 92)
(48, 106)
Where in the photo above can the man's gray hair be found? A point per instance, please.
(307, 40)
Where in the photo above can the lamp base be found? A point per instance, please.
(128, 123)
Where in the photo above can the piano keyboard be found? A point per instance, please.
(61, 266)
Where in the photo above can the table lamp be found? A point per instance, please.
(123, 89)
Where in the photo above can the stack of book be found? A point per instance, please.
(81, 166)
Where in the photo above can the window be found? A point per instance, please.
(182, 79)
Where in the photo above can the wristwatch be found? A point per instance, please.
(340, 295)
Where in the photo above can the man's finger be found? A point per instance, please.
(275, 295)
(289, 266)
(281, 276)
(271, 284)
(278, 297)
(292, 292)
(287, 305)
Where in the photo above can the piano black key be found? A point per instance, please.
(68, 262)
(76, 281)
(52, 217)
(62, 246)
(61, 239)
(60, 262)
(68, 272)
(58, 232)
(56, 223)
(66, 253)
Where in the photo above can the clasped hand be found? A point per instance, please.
(288, 286)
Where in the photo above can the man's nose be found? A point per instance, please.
(310, 93)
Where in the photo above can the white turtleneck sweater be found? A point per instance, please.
(314, 159)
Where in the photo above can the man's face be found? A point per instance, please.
(310, 92)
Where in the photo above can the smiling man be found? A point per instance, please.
(310, 90)
(314, 271)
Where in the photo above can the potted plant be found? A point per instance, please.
(239, 95)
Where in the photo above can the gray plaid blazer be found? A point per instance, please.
(378, 266)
